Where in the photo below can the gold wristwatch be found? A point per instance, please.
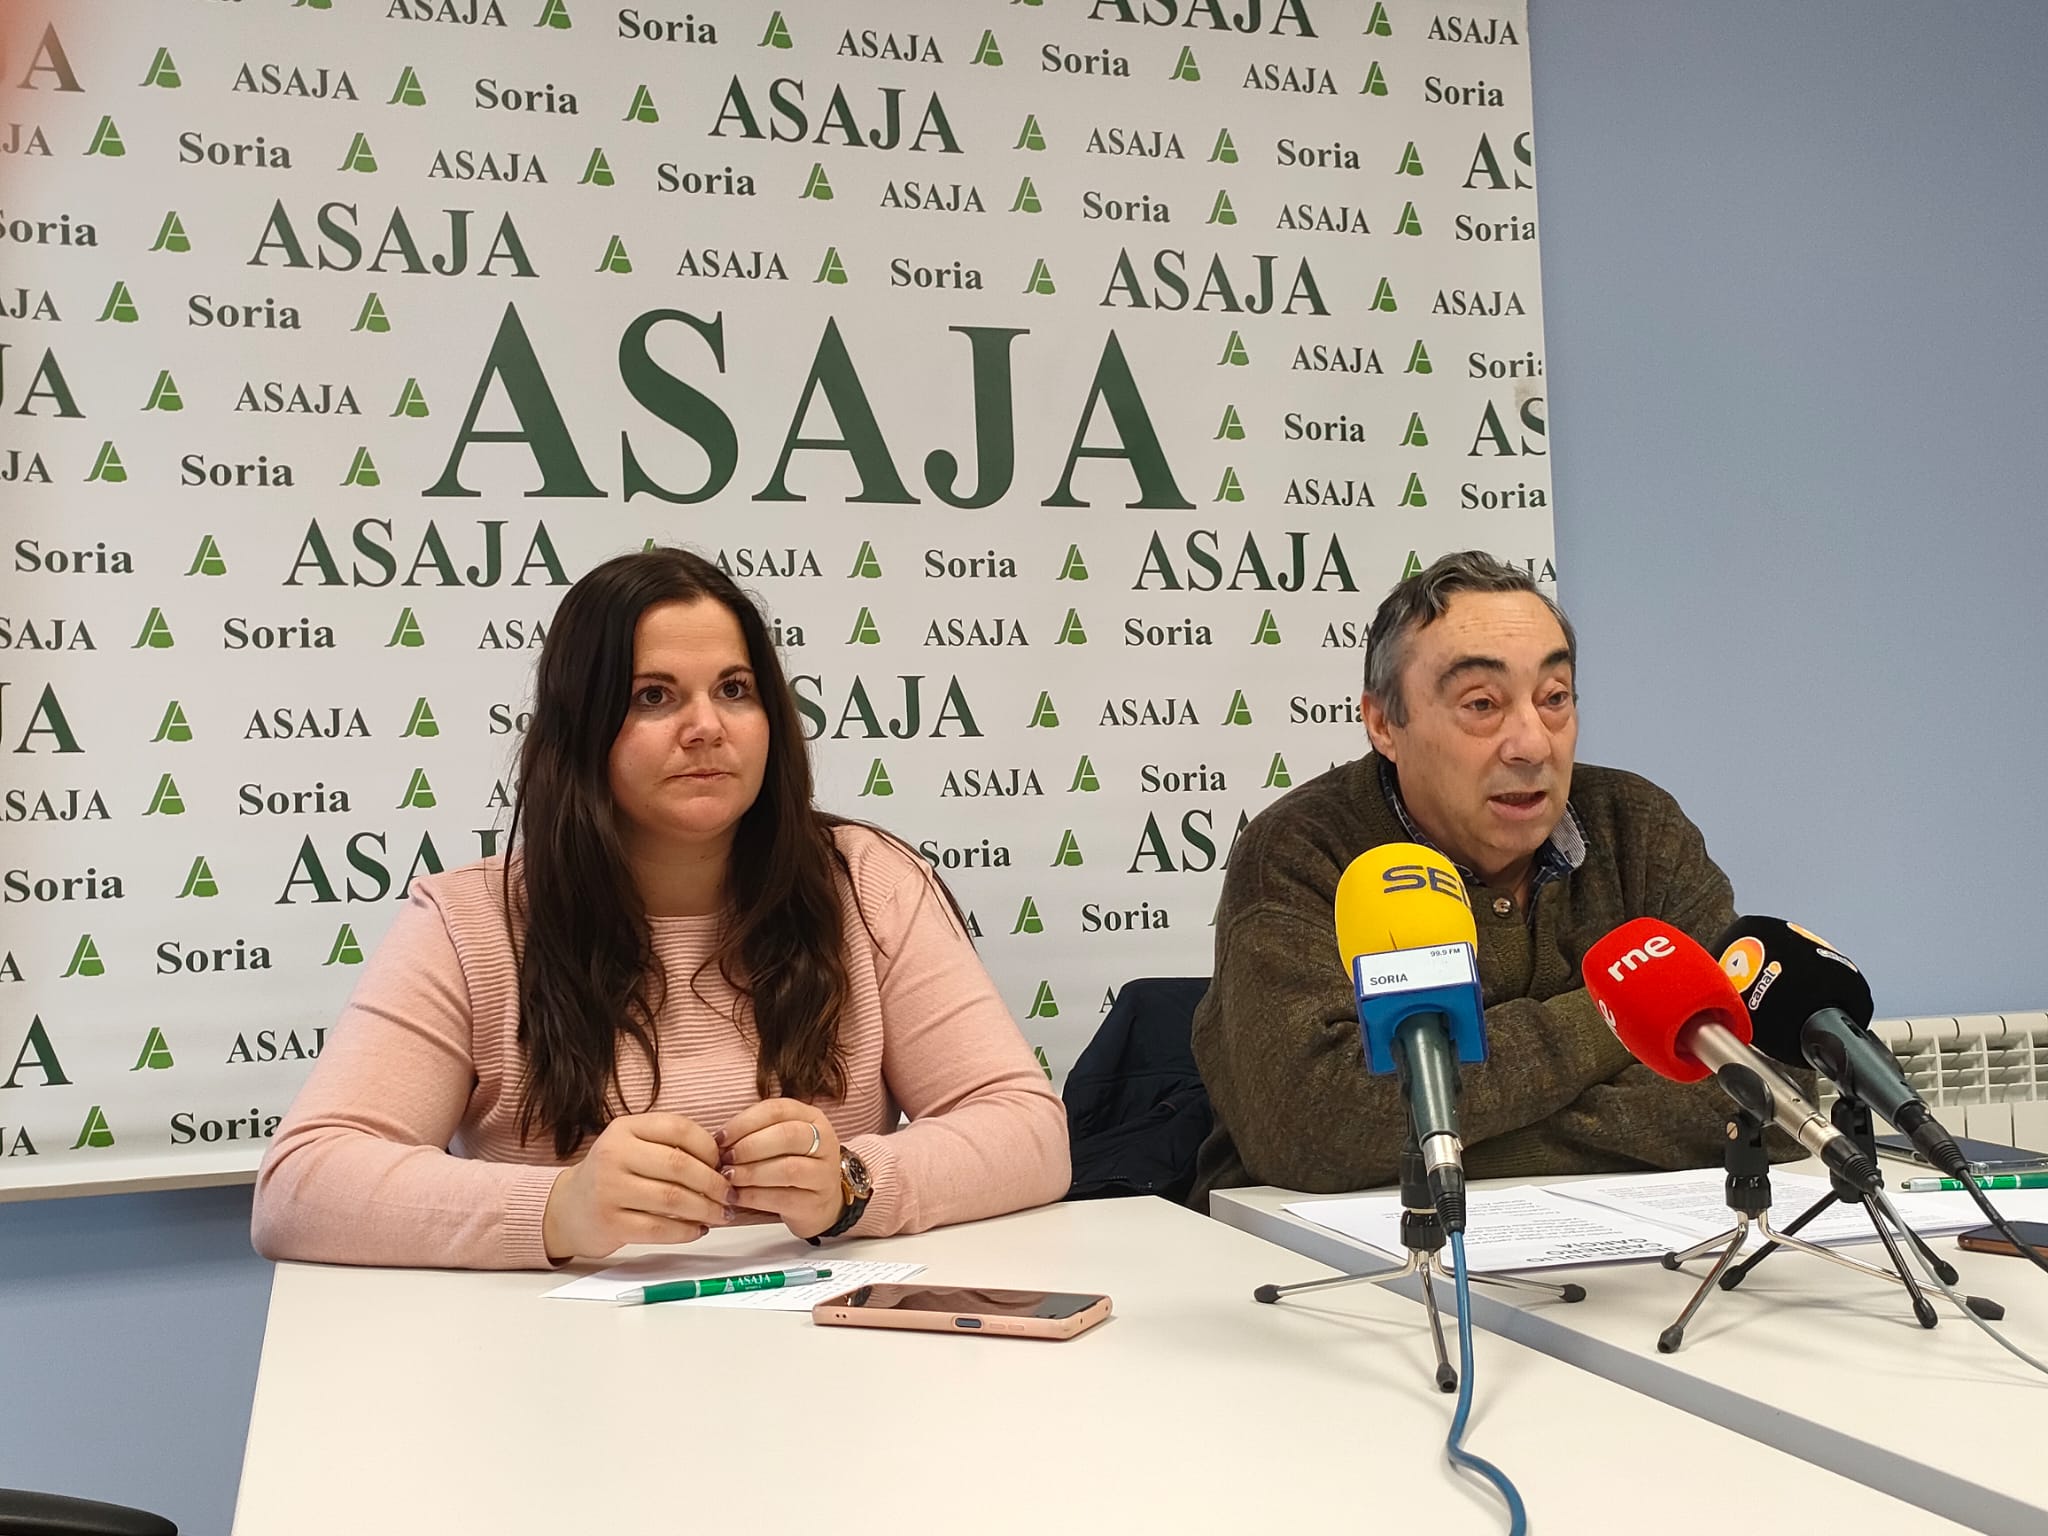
(855, 1190)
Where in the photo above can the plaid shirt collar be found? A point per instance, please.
(1562, 852)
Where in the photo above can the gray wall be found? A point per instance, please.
(1793, 274)
(1793, 262)
(129, 1331)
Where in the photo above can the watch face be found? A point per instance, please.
(856, 1173)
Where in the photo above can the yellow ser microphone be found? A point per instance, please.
(1406, 935)
(1402, 896)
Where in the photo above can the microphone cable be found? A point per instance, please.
(1943, 1286)
(2005, 1227)
(1464, 1460)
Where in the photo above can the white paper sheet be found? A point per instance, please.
(1633, 1217)
(1505, 1229)
(1694, 1205)
(655, 1268)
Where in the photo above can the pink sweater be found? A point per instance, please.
(403, 1146)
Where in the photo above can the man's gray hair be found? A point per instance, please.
(1420, 600)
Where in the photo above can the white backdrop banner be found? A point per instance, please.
(1069, 379)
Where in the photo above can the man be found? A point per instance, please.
(1472, 714)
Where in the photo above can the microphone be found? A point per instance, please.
(1407, 937)
(1811, 1007)
(1667, 1000)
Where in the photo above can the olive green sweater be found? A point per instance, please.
(1277, 1035)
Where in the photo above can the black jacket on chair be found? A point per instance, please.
(1136, 1108)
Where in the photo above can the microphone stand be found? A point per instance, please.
(1422, 1233)
(1748, 1190)
(1852, 1118)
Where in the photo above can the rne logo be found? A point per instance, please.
(1655, 948)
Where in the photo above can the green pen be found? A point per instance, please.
(690, 1290)
(1989, 1181)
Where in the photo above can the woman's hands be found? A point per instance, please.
(647, 1179)
(663, 1178)
(781, 1157)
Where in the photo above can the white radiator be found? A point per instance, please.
(1984, 1074)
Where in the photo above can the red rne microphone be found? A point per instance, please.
(1675, 1009)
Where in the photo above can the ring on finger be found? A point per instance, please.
(817, 1140)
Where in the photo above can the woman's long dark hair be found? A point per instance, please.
(587, 971)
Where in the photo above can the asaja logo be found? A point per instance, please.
(376, 557)
(1244, 16)
(975, 783)
(838, 123)
(320, 83)
(199, 881)
(907, 47)
(1253, 292)
(170, 236)
(106, 140)
(340, 247)
(174, 726)
(85, 959)
(164, 72)
(463, 13)
(1260, 567)
(858, 716)
(1484, 30)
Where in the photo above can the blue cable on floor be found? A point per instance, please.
(1518, 1516)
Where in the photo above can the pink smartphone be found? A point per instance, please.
(958, 1309)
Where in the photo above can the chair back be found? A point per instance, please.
(53, 1514)
(1136, 1108)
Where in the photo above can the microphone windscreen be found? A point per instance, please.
(1650, 981)
(1401, 896)
(1784, 976)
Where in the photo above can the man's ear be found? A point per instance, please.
(1378, 730)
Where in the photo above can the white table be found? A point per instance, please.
(1803, 1356)
(425, 1401)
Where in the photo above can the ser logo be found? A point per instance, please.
(1422, 877)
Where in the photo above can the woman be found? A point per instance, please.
(688, 999)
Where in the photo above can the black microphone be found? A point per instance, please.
(1811, 1007)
